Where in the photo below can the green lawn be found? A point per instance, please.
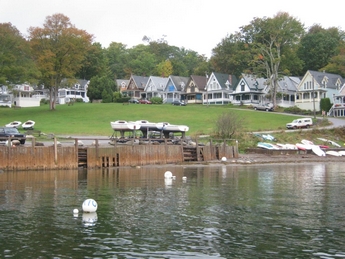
(94, 118)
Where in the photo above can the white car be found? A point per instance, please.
(300, 123)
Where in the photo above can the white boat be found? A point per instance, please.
(121, 125)
(14, 124)
(342, 152)
(146, 125)
(301, 146)
(330, 142)
(307, 142)
(267, 145)
(28, 124)
(287, 146)
(318, 151)
(174, 128)
(333, 153)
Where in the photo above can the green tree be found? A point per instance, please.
(336, 65)
(101, 87)
(269, 39)
(16, 64)
(59, 49)
(95, 62)
(318, 46)
(117, 57)
(141, 60)
(232, 55)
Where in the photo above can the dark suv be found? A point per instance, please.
(13, 133)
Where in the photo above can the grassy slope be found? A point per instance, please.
(94, 119)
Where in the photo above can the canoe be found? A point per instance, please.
(267, 145)
(329, 141)
(301, 146)
(121, 125)
(318, 151)
(307, 142)
(333, 153)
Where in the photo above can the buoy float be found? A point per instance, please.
(168, 174)
(75, 211)
(90, 205)
(223, 158)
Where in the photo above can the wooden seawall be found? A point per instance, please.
(72, 157)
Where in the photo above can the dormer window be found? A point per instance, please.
(324, 82)
(242, 86)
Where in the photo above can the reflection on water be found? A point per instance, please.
(267, 211)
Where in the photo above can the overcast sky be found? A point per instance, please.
(197, 25)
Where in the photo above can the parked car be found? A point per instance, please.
(264, 107)
(133, 100)
(6, 132)
(300, 123)
(144, 101)
(178, 102)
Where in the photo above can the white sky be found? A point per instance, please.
(197, 25)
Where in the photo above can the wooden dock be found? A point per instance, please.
(97, 156)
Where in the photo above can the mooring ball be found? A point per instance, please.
(223, 158)
(168, 174)
(90, 205)
(75, 211)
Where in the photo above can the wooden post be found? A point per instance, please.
(197, 150)
(97, 150)
(55, 151)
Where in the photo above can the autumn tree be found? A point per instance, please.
(269, 39)
(59, 49)
(16, 64)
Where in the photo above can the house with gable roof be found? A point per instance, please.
(338, 108)
(287, 87)
(23, 96)
(175, 89)
(218, 88)
(195, 89)
(136, 86)
(249, 90)
(122, 85)
(155, 86)
(315, 86)
(252, 90)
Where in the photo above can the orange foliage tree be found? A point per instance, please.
(59, 49)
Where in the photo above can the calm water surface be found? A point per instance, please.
(267, 211)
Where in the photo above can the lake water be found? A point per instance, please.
(254, 211)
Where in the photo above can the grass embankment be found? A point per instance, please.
(94, 119)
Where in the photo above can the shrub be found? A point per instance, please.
(156, 100)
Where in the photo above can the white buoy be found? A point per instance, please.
(90, 205)
(184, 178)
(168, 174)
(223, 158)
(75, 211)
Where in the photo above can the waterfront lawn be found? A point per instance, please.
(94, 118)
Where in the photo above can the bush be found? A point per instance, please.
(156, 100)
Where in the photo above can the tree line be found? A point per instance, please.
(268, 47)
